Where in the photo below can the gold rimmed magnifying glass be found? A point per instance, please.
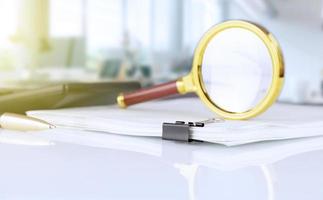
(237, 71)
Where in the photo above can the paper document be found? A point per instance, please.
(281, 121)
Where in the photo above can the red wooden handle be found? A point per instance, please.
(148, 94)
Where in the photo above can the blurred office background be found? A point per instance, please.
(148, 40)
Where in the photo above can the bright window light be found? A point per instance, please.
(104, 24)
(8, 19)
(66, 18)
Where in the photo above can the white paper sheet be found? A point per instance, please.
(282, 121)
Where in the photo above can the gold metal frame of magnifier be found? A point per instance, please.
(193, 81)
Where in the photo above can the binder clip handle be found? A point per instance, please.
(179, 131)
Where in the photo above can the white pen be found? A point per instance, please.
(19, 122)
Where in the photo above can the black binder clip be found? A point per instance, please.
(179, 131)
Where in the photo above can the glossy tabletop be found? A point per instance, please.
(43, 166)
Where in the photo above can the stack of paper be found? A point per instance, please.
(282, 121)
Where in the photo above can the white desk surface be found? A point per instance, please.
(144, 168)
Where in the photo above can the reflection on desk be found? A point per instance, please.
(123, 167)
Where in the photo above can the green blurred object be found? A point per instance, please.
(146, 71)
(63, 96)
(110, 68)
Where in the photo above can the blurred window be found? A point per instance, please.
(157, 25)
(8, 19)
(104, 23)
(66, 18)
(137, 15)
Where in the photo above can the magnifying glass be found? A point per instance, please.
(237, 71)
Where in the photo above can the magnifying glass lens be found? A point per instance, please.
(237, 70)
